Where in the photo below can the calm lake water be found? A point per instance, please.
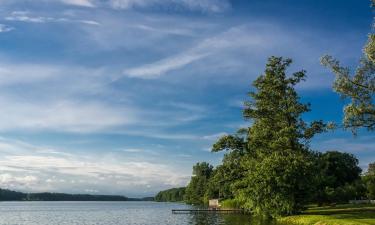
(111, 213)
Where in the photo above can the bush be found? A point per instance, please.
(231, 204)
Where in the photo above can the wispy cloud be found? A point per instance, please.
(24, 16)
(205, 6)
(132, 150)
(214, 6)
(85, 3)
(65, 116)
(159, 68)
(5, 28)
(64, 110)
(214, 136)
(230, 39)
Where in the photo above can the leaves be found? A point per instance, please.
(359, 88)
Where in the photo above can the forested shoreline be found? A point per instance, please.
(8, 195)
(171, 195)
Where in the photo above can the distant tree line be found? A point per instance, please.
(8, 195)
(171, 195)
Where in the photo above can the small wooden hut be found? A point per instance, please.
(213, 204)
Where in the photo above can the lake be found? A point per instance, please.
(111, 213)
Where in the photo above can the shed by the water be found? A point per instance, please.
(213, 203)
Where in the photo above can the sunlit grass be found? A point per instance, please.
(334, 215)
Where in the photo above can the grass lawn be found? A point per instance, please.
(334, 215)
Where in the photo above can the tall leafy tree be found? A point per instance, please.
(358, 87)
(277, 164)
(196, 189)
(222, 183)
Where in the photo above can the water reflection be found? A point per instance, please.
(113, 213)
(227, 219)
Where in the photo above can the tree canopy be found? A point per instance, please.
(278, 166)
(171, 195)
(358, 87)
(196, 189)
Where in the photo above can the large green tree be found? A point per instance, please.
(358, 87)
(278, 165)
(196, 189)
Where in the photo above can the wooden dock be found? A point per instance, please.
(188, 211)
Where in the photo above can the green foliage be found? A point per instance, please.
(370, 48)
(371, 169)
(369, 181)
(7, 195)
(360, 87)
(339, 168)
(171, 195)
(278, 167)
(338, 178)
(221, 182)
(196, 189)
(279, 184)
(69, 197)
(231, 204)
(337, 215)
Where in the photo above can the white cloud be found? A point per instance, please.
(5, 28)
(159, 68)
(90, 22)
(234, 38)
(207, 6)
(214, 6)
(132, 150)
(24, 16)
(66, 116)
(25, 73)
(10, 181)
(64, 99)
(85, 3)
(30, 170)
(163, 30)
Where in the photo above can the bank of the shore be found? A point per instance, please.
(337, 215)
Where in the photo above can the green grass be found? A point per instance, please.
(230, 204)
(334, 215)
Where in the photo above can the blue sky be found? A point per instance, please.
(124, 96)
